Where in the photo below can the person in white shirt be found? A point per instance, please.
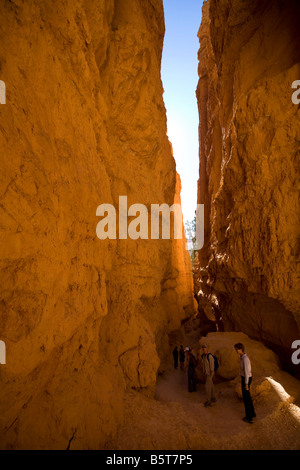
(246, 379)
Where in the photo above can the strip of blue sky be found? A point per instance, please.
(180, 78)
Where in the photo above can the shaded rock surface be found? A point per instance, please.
(84, 123)
(247, 274)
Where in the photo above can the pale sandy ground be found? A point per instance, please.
(177, 419)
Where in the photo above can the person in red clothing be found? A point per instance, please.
(246, 379)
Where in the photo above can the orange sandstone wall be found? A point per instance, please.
(84, 122)
(247, 275)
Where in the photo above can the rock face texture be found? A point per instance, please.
(247, 274)
(84, 122)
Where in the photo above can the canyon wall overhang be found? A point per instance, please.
(247, 274)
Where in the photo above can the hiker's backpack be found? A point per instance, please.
(216, 362)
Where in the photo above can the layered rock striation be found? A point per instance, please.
(247, 274)
(84, 122)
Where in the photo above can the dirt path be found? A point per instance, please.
(226, 412)
(177, 419)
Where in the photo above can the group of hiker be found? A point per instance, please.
(187, 360)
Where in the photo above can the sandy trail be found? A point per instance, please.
(177, 419)
(228, 409)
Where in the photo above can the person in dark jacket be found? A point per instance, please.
(175, 357)
(181, 357)
(191, 365)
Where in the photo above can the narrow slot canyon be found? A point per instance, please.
(95, 292)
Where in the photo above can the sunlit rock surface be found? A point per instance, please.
(83, 320)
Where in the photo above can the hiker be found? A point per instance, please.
(181, 357)
(191, 363)
(175, 356)
(209, 371)
(246, 379)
